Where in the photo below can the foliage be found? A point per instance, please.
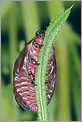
(19, 22)
(43, 58)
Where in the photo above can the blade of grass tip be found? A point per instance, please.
(55, 8)
(13, 46)
(56, 22)
(31, 20)
(43, 60)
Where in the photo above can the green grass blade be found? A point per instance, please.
(40, 77)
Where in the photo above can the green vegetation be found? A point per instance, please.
(19, 22)
(40, 79)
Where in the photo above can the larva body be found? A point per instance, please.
(24, 74)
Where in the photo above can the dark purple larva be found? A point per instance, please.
(24, 73)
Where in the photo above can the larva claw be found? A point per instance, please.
(34, 83)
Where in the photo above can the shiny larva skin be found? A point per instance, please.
(24, 73)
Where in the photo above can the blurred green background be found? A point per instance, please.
(19, 22)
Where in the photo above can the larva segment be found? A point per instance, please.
(24, 73)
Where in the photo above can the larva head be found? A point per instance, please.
(40, 37)
(40, 33)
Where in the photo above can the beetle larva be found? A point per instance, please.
(24, 73)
